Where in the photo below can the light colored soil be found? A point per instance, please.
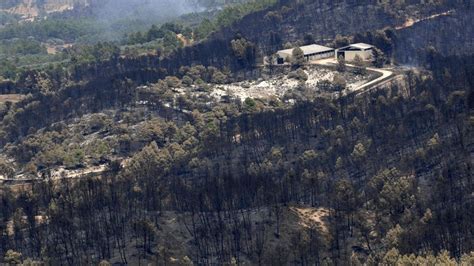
(312, 217)
(278, 85)
(10, 230)
(54, 49)
(411, 21)
(62, 173)
(177, 239)
(184, 40)
(14, 98)
(29, 10)
(51, 49)
(386, 73)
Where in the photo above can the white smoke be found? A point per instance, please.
(121, 16)
(145, 9)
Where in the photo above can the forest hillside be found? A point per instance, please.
(189, 141)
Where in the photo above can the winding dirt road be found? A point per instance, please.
(386, 73)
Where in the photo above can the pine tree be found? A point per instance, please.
(297, 57)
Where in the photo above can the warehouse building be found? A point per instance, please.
(363, 50)
(311, 52)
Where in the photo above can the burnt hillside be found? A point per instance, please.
(450, 34)
(295, 20)
(151, 158)
(324, 19)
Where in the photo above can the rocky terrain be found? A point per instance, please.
(31, 9)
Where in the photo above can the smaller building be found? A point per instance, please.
(349, 53)
(311, 52)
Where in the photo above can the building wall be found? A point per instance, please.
(321, 56)
(364, 55)
(284, 55)
(308, 58)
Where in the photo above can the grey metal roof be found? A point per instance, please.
(309, 49)
(360, 46)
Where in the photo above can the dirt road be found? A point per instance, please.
(386, 73)
(411, 21)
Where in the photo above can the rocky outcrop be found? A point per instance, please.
(30, 9)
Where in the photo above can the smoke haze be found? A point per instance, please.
(156, 10)
(121, 16)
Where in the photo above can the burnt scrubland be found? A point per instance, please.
(129, 159)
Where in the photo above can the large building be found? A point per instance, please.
(363, 50)
(311, 52)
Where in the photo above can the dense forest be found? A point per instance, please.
(164, 173)
(148, 30)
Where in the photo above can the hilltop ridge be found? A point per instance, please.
(31, 9)
(206, 144)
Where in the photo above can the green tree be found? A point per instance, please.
(339, 82)
(104, 263)
(434, 143)
(467, 259)
(187, 261)
(6, 169)
(244, 51)
(445, 259)
(341, 64)
(391, 257)
(154, 33)
(341, 41)
(393, 237)
(171, 41)
(218, 77)
(359, 153)
(297, 57)
(204, 29)
(187, 80)
(250, 104)
(379, 59)
(74, 158)
(173, 82)
(359, 65)
(298, 74)
(12, 257)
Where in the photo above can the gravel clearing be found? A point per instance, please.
(278, 85)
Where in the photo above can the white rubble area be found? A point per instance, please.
(61, 172)
(278, 85)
